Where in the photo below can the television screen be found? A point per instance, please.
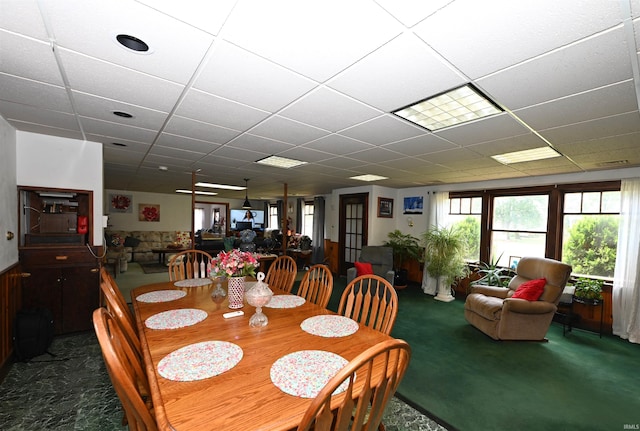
(255, 217)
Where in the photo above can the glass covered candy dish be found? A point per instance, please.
(258, 296)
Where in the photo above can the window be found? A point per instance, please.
(307, 219)
(518, 228)
(574, 223)
(590, 232)
(273, 216)
(198, 219)
(465, 214)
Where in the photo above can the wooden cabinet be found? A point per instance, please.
(64, 272)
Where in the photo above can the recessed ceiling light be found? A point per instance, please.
(132, 42)
(280, 162)
(118, 144)
(526, 155)
(220, 186)
(122, 114)
(368, 177)
(198, 192)
(456, 106)
(163, 168)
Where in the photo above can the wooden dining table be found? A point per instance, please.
(243, 398)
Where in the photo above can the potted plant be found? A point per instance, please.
(444, 258)
(588, 290)
(492, 274)
(405, 246)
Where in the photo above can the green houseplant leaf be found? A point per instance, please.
(444, 253)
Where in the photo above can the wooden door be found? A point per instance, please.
(353, 228)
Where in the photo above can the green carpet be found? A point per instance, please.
(469, 381)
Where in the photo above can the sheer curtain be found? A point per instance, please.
(318, 230)
(437, 204)
(626, 291)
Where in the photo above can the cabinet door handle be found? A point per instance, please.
(62, 257)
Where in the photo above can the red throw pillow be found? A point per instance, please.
(530, 290)
(363, 268)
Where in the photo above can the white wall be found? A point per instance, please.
(8, 195)
(50, 161)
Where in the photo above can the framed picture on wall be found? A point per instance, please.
(120, 203)
(148, 212)
(413, 205)
(385, 207)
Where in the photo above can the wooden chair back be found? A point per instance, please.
(372, 301)
(118, 307)
(316, 285)
(189, 264)
(282, 273)
(372, 378)
(125, 371)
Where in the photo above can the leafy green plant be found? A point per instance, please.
(588, 288)
(492, 274)
(404, 245)
(444, 253)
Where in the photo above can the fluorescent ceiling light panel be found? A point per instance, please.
(368, 177)
(220, 186)
(280, 162)
(198, 192)
(526, 155)
(456, 106)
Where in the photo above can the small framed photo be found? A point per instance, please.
(385, 207)
(513, 262)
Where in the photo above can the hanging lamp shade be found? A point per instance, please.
(246, 205)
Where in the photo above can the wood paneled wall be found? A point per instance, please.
(10, 302)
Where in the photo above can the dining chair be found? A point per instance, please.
(282, 273)
(316, 285)
(372, 301)
(125, 371)
(118, 307)
(371, 380)
(189, 264)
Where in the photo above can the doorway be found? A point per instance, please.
(353, 228)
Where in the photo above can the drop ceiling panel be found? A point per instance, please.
(471, 34)
(33, 93)
(249, 142)
(105, 128)
(289, 34)
(199, 130)
(592, 63)
(129, 146)
(44, 117)
(46, 130)
(486, 129)
(167, 38)
(28, 58)
(121, 84)
(411, 12)
(590, 105)
(375, 155)
(344, 112)
(169, 140)
(211, 109)
(337, 144)
(239, 75)
(422, 144)
(207, 16)
(23, 17)
(610, 126)
(403, 71)
(100, 108)
(383, 130)
(285, 130)
(508, 145)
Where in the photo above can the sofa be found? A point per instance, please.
(381, 260)
(502, 315)
(137, 245)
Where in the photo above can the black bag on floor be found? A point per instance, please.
(32, 333)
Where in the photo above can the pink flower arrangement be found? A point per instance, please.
(234, 263)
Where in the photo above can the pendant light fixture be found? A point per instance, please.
(246, 205)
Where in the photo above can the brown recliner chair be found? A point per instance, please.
(492, 310)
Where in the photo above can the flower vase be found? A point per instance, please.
(236, 292)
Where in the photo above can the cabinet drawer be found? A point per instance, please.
(57, 256)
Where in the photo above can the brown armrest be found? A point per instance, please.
(523, 306)
(498, 292)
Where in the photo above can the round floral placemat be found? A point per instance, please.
(285, 301)
(329, 326)
(200, 361)
(306, 372)
(161, 296)
(192, 282)
(174, 319)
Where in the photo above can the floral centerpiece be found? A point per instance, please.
(234, 263)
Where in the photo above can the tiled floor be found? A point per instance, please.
(72, 391)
